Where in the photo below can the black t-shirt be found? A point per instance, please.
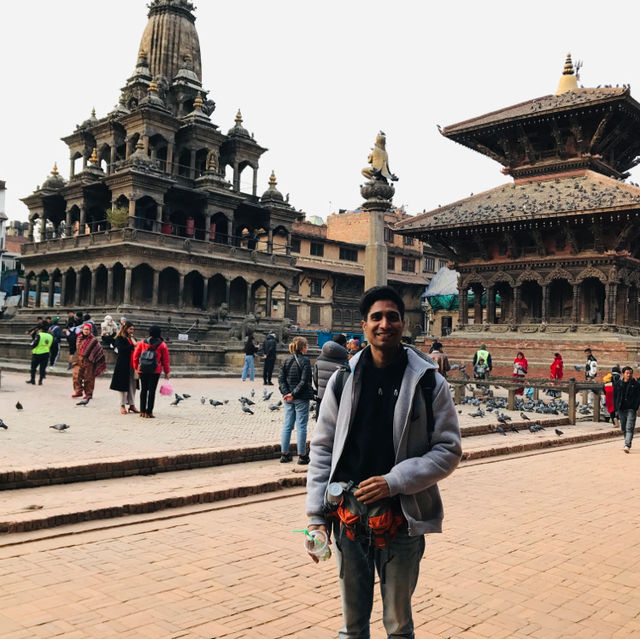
(369, 449)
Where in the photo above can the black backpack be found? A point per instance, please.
(149, 360)
(427, 384)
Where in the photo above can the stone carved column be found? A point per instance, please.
(83, 218)
(249, 303)
(205, 293)
(63, 289)
(462, 305)
(227, 294)
(288, 249)
(155, 293)
(92, 296)
(38, 289)
(270, 241)
(574, 303)
(132, 212)
(109, 295)
(52, 290)
(491, 305)
(67, 224)
(516, 304)
(613, 303)
(254, 188)
(127, 284)
(545, 303)
(268, 302)
(181, 291)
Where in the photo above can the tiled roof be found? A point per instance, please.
(538, 106)
(549, 198)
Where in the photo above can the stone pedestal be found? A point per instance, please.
(377, 193)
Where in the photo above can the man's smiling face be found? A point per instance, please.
(383, 325)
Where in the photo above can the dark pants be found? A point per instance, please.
(267, 370)
(54, 352)
(40, 360)
(148, 385)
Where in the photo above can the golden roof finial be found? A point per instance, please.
(54, 170)
(198, 103)
(93, 112)
(568, 80)
(153, 87)
(238, 117)
(94, 156)
(272, 180)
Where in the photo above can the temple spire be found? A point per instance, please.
(568, 80)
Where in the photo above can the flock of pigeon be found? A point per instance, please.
(245, 402)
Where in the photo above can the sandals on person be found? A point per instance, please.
(143, 414)
(123, 410)
(133, 409)
(150, 416)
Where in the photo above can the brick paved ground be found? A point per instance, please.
(544, 546)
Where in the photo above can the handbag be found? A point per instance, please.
(166, 388)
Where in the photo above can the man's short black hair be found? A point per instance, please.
(587, 350)
(377, 293)
(627, 368)
(437, 346)
(340, 339)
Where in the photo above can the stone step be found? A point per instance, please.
(48, 506)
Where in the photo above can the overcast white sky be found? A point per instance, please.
(315, 82)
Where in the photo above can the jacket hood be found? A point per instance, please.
(155, 341)
(333, 350)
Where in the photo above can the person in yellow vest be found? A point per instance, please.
(483, 354)
(41, 346)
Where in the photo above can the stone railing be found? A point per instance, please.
(160, 240)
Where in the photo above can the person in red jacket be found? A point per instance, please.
(149, 376)
(520, 369)
(555, 372)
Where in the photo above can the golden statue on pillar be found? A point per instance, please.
(379, 161)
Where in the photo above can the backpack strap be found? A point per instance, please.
(341, 380)
(427, 384)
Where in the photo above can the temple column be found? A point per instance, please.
(83, 217)
(270, 241)
(181, 291)
(205, 293)
(192, 164)
(109, 294)
(52, 290)
(67, 224)
(157, 227)
(286, 303)
(30, 231)
(112, 159)
(545, 303)
(288, 249)
(169, 165)
(76, 299)
(132, 212)
(43, 227)
(227, 294)
(491, 305)
(268, 302)
(72, 167)
(127, 284)
(462, 305)
(516, 304)
(611, 306)
(207, 226)
(155, 292)
(84, 162)
(574, 303)
(477, 305)
(92, 296)
(254, 188)
(63, 289)
(236, 177)
(249, 305)
(38, 289)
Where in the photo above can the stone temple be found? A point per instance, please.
(160, 217)
(553, 257)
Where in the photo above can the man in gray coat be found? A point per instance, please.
(375, 434)
(332, 357)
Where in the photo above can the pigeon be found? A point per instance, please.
(3, 425)
(501, 419)
(60, 427)
(253, 392)
(177, 400)
(478, 413)
(279, 403)
(19, 406)
(524, 417)
(559, 432)
(246, 409)
(501, 430)
(83, 402)
(578, 367)
(185, 396)
(215, 402)
(267, 396)
(455, 367)
(274, 407)
(203, 399)
(246, 400)
(513, 429)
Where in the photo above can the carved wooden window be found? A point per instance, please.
(388, 235)
(429, 265)
(407, 241)
(314, 314)
(408, 265)
(348, 254)
(295, 245)
(315, 287)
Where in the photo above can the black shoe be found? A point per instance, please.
(303, 460)
(30, 381)
(39, 382)
(285, 458)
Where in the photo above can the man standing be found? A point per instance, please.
(440, 358)
(269, 356)
(379, 435)
(55, 331)
(333, 356)
(626, 399)
(591, 366)
(41, 345)
(484, 354)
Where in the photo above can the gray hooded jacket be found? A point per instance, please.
(417, 469)
(332, 357)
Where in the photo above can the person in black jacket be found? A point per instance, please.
(295, 385)
(269, 357)
(124, 379)
(626, 399)
(249, 367)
